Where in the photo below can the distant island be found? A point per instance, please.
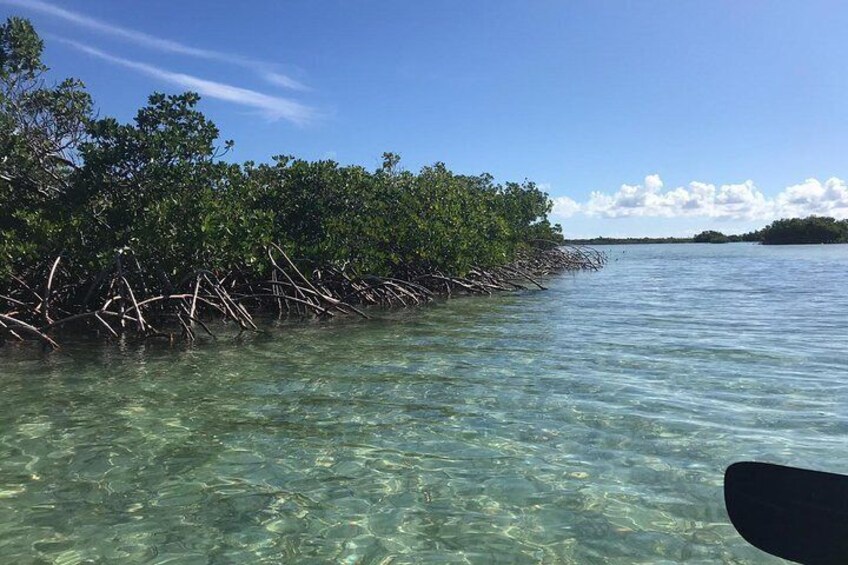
(788, 231)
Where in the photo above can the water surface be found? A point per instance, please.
(590, 423)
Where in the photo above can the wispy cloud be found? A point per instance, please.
(743, 201)
(283, 80)
(263, 68)
(272, 107)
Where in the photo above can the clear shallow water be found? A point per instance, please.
(590, 423)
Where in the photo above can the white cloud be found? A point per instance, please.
(813, 197)
(653, 183)
(565, 207)
(272, 107)
(739, 202)
(158, 43)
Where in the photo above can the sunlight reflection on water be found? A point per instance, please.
(589, 423)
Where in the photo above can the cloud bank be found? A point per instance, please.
(264, 69)
(742, 201)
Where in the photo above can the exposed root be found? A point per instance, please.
(119, 299)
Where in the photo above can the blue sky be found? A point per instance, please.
(639, 118)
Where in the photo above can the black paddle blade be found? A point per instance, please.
(795, 514)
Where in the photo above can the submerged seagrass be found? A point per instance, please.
(143, 227)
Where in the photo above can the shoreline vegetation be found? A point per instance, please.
(788, 231)
(142, 229)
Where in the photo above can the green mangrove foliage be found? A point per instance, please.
(40, 129)
(119, 213)
(813, 229)
(87, 187)
(710, 236)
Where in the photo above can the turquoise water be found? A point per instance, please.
(590, 423)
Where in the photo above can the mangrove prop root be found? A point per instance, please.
(131, 297)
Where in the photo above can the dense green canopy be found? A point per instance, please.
(813, 229)
(711, 236)
(84, 187)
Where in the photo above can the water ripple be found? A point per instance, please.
(591, 423)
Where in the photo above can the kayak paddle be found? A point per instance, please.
(796, 514)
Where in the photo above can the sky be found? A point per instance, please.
(659, 118)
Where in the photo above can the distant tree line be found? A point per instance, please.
(601, 240)
(812, 229)
(809, 230)
(711, 236)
